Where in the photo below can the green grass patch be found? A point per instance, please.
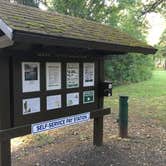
(147, 98)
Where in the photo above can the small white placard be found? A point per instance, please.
(72, 99)
(61, 122)
(72, 75)
(31, 105)
(53, 102)
(89, 74)
(53, 74)
(30, 76)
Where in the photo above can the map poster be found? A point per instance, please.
(72, 80)
(72, 99)
(88, 97)
(53, 75)
(30, 76)
(89, 74)
(31, 105)
(53, 102)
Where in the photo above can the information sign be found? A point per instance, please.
(61, 122)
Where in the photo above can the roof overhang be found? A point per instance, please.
(10, 36)
(34, 38)
(6, 35)
(5, 42)
(6, 29)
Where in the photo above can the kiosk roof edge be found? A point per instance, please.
(32, 23)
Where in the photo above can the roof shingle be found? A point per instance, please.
(33, 20)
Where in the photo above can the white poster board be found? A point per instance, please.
(30, 77)
(89, 74)
(53, 76)
(53, 102)
(72, 99)
(72, 80)
(31, 105)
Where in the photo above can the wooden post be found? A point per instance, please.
(98, 122)
(98, 131)
(5, 150)
(5, 153)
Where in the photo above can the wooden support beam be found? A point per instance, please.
(98, 131)
(26, 129)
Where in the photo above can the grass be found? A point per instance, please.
(147, 98)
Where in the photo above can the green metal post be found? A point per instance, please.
(123, 116)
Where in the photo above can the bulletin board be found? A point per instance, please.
(49, 87)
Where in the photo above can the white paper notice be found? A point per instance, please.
(53, 102)
(31, 106)
(30, 76)
(89, 74)
(72, 99)
(53, 72)
(72, 75)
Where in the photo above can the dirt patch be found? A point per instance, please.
(72, 146)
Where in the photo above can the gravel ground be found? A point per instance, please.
(72, 146)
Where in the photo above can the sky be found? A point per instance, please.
(157, 24)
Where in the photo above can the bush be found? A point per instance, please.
(123, 69)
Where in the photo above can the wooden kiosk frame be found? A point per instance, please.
(30, 35)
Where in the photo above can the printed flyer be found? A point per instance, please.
(89, 74)
(53, 72)
(53, 102)
(31, 77)
(72, 75)
(72, 99)
(31, 106)
(88, 97)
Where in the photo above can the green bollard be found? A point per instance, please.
(123, 116)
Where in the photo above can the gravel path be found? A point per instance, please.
(72, 146)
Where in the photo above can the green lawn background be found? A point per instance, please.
(148, 98)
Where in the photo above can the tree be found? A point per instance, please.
(161, 53)
(154, 6)
(91, 9)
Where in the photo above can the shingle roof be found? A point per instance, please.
(33, 20)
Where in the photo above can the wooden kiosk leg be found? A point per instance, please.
(5, 153)
(98, 131)
(5, 122)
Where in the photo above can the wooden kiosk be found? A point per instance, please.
(52, 71)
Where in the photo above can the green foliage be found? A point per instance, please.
(161, 53)
(162, 44)
(91, 9)
(122, 69)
